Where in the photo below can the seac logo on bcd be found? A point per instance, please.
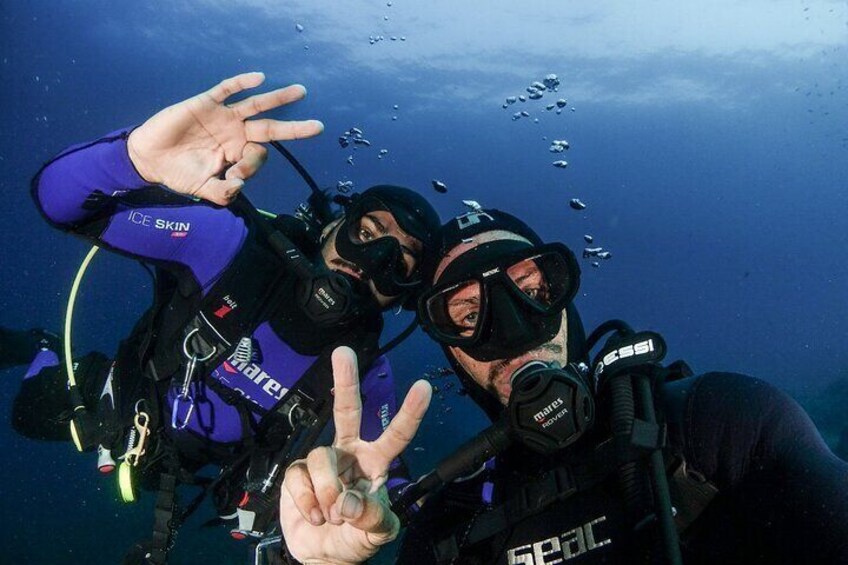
(640, 348)
(560, 548)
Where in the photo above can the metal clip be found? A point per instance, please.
(269, 480)
(183, 397)
(138, 434)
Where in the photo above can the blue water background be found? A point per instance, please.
(708, 142)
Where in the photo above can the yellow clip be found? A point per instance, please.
(134, 453)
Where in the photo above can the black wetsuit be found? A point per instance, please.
(782, 495)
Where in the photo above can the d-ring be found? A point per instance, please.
(189, 355)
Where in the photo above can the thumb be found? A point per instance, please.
(370, 514)
(219, 191)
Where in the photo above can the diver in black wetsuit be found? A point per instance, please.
(749, 477)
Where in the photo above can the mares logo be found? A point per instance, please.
(177, 229)
(542, 415)
(640, 348)
(254, 372)
(324, 297)
(564, 547)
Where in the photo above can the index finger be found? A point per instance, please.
(347, 405)
(232, 85)
(259, 103)
(404, 425)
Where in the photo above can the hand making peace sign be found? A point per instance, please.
(334, 506)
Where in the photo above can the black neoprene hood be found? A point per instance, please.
(414, 215)
(461, 229)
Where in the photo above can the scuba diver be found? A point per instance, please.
(231, 364)
(620, 459)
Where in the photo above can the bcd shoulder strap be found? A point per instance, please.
(230, 310)
(691, 492)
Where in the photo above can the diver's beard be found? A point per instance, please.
(496, 371)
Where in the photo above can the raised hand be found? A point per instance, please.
(334, 507)
(188, 145)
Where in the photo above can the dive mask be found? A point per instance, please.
(501, 299)
(363, 240)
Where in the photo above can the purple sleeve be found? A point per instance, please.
(89, 183)
(68, 182)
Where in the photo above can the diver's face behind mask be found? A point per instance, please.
(370, 246)
(499, 302)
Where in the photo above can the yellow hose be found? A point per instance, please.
(69, 314)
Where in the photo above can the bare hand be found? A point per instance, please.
(188, 145)
(334, 507)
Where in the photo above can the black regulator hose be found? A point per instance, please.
(632, 397)
(307, 178)
(619, 326)
(464, 461)
(622, 414)
(659, 482)
(280, 243)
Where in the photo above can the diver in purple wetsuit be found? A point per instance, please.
(616, 460)
(231, 365)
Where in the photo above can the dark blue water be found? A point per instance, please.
(709, 144)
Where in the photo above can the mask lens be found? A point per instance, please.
(544, 280)
(455, 312)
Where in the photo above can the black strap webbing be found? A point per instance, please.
(162, 514)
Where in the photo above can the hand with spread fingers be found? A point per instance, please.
(187, 146)
(334, 507)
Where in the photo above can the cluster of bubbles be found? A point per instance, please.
(589, 252)
(559, 145)
(594, 252)
(535, 91)
(355, 137)
(344, 186)
(374, 39)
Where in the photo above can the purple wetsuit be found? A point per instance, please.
(84, 190)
